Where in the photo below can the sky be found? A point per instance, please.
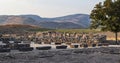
(47, 8)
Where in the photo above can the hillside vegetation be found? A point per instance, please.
(63, 22)
(18, 28)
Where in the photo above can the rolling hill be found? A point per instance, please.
(19, 28)
(64, 22)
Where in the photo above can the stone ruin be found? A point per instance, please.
(82, 40)
(48, 37)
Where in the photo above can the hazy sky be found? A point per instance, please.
(47, 8)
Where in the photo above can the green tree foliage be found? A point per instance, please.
(106, 16)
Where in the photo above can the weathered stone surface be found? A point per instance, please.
(86, 55)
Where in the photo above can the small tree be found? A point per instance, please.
(106, 16)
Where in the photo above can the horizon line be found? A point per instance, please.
(42, 16)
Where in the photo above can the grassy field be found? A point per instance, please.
(40, 30)
(110, 35)
(78, 30)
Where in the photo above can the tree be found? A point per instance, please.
(106, 16)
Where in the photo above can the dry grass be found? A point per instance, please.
(110, 35)
(19, 28)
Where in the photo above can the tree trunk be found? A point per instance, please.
(116, 34)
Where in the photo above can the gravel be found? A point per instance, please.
(86, 55)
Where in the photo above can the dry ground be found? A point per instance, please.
(110, 35)
(94, 55)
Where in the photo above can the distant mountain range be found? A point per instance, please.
(69, 21)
